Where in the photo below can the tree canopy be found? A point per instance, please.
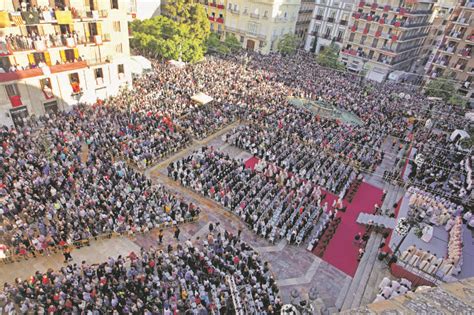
(230, 45)
(445, 89)
(328, 57)
(182, 34)
(288, 44)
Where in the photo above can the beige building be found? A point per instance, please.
(387, 36)
(330, 20)
(260, 24)
(453, 57)
(53, 59)
(304, 19)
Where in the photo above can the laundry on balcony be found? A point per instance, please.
(382, 21)
(361, 4)
(386, 8)
(354, 28)
(394, 38)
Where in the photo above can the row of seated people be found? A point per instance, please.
(61, 182)
(428, 263)
(187, 279)
(433, 208)
(296, 157)
(273, 203)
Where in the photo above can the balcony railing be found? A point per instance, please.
(330, 19)
(319, 17)
(255, 16)
(343, 22)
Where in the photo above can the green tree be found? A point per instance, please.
(328, 57)
(181, 34)
(232, 43)
(440, 87)
(288, 44)
(215, 45)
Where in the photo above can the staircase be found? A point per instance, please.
(364, 285)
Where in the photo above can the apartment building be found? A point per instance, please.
(145, 9)
(216, 11)
(453, 57)
(260, 24)
(329, 23)
(304, 19)
(57, 53)
(386, 36)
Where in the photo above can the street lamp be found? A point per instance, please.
(403, 228)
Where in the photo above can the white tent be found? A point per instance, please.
(202, 98)
(470, 116)
(139, 65)
(459, 132)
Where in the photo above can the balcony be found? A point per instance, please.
(455, 35)
(343, 22)
(30, 73)
(220, 20)
(212, 4)
(461, 20)
(319, 17)
(234, 11)
(211, 18)
(68, 66)
(220, 6)
(255, 16)
(330, 19)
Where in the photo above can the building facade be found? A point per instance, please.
(453, 57)
(329, 23)
(304, 19)
(216, 12)
(52, 58)
(259, 24)
(387, 36)
(145, 9)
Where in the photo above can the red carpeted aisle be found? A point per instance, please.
(250, 163)
(341, 252)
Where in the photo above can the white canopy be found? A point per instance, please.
(202, 98)
(458, 132)
(470, 116)
(139, 64)
(178, 64)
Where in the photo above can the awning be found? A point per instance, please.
(202, 98)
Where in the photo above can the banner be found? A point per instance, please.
(64, 17)
(30, 17)
(16, 18)
(4, 19)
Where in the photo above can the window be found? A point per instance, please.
(242, 39)
(114, 4)
(265, 14)
(119, 48)
(261, 44)
(98, 73)
(253, 28)
(316, 29)
(69, 55)
(46, 87)
(121, 69)
(12, 90)
(116, 26)
(39, 59)
(332, 14)
(75, 83)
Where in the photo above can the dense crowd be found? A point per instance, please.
(272, 202)
(62, 185)
(217, 277)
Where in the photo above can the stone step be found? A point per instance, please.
(363, 267)
(343, 293)
(372, 257)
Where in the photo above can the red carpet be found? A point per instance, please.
(341, 252)
(250, 163)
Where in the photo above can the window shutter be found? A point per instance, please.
(99, 28)
(76, 53)
(47, 58)
(62, 53)
(31, 59)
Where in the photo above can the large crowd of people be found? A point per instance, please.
(217, 276)
(272, 202)
(75, 175)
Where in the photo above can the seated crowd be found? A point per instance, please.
(66, 185)
(272, 202)
(215, 277)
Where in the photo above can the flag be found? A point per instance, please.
(16, 18)
(30, 17)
